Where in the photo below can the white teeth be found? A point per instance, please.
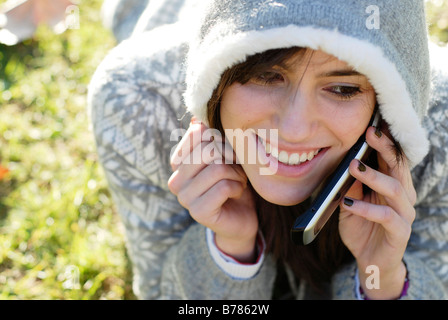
(284, 157)
(294, 159)
(310, 155)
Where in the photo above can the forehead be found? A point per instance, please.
(316, 60)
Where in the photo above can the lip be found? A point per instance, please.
(286, 170)
(284, 147)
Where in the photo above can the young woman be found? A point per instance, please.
(313, 73)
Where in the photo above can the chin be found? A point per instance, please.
(281, 197)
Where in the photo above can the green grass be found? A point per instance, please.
(58, 225)
(60, 236)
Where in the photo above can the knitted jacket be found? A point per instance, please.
(136, 104)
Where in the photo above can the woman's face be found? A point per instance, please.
(302, 117)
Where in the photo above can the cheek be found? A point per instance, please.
(241, 106)
(348, 130)
(347, 121)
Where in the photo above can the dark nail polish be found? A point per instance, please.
(378, 133)
(348, 202)
(361, 167)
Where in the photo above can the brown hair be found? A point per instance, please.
(318, 261)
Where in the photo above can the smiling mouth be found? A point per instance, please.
(288, 158)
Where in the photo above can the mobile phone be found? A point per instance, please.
(308, 225)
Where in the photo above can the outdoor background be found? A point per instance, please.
(60, 237)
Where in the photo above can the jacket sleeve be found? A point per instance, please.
(429, 240)
(423, 283)
(135, 102)
(190, 273)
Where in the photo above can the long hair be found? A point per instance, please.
(314, 263)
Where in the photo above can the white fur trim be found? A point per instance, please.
(395, 102)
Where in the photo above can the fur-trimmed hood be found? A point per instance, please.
(385, 40)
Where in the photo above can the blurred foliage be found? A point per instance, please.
(60, 237)
(437, 12)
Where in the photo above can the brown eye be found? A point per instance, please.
(345, 92)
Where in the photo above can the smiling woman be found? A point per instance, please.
(300, 99)
(299, 80)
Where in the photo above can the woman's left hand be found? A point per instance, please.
(376, 226)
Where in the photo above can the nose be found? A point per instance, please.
(297, 116)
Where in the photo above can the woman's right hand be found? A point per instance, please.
(215, 192)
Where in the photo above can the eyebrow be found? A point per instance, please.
(340, 73)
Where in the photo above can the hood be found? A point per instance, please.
(384, 40)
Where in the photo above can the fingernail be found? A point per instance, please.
(348, 202)
(378, 132)
(361, 167)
